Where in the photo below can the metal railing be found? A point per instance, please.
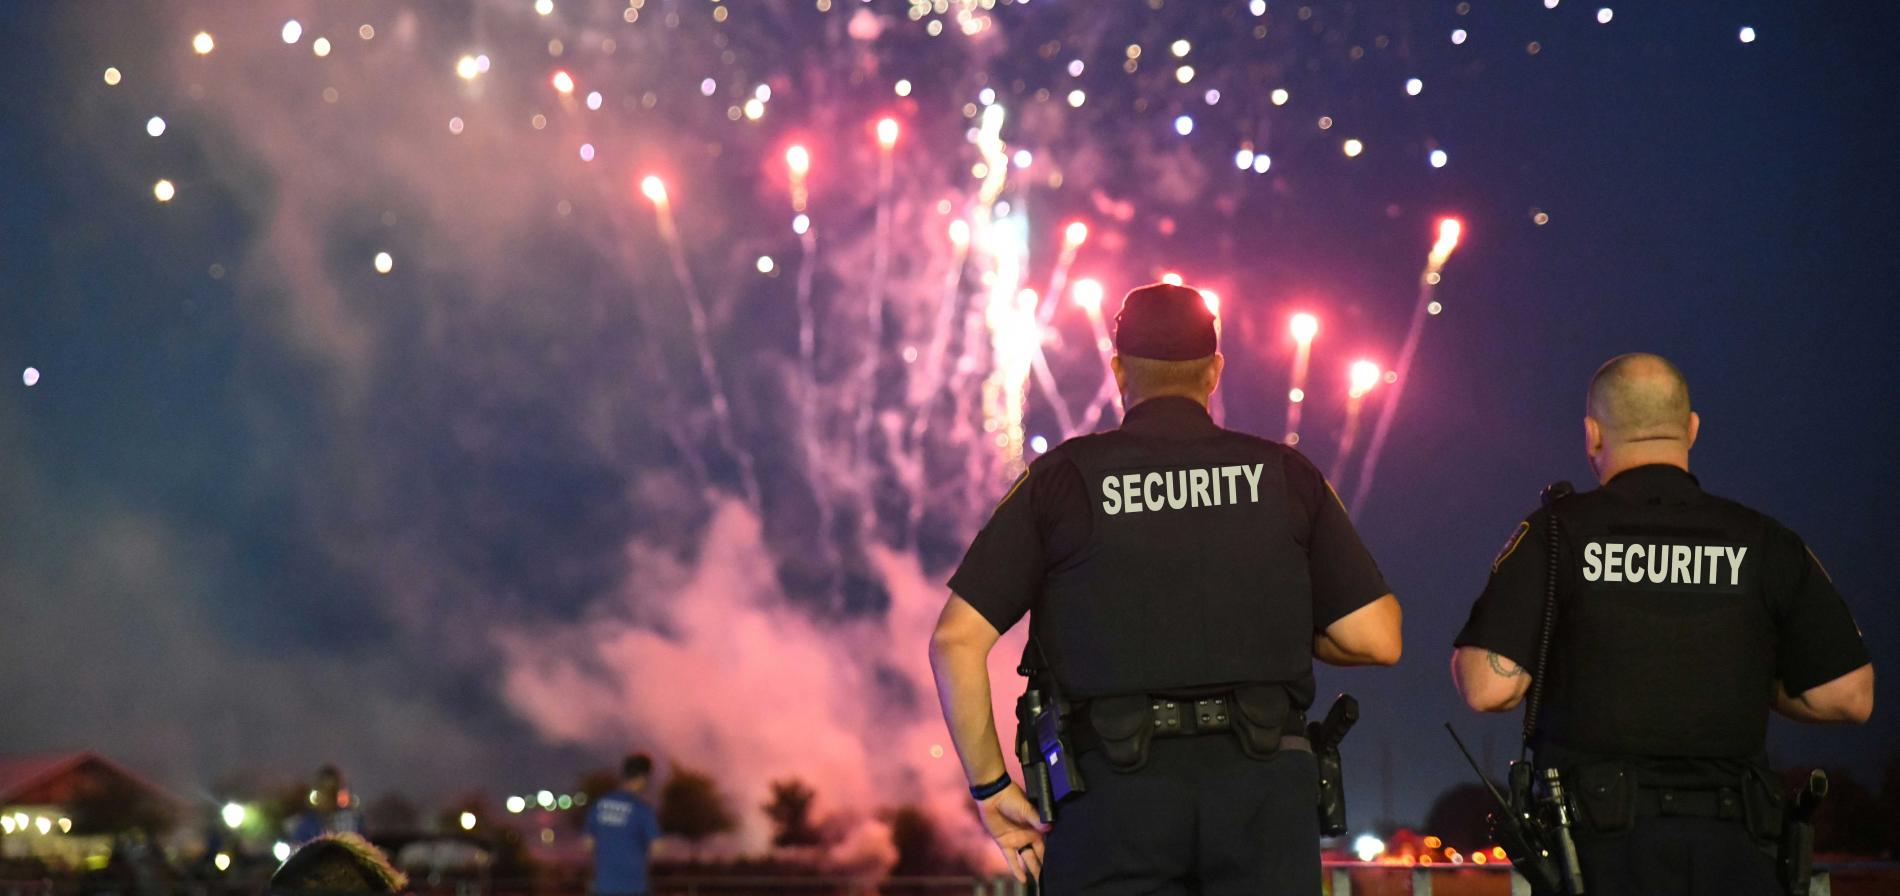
(1339, 876)
(1340, 879)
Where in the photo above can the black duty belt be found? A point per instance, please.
(1188, 717)
(1179, 718)
(1722, 803)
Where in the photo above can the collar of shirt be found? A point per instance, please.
(1651, 479)
(1169, 416)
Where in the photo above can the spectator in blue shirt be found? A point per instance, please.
(622, 825)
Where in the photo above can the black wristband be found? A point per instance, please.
(984, 791)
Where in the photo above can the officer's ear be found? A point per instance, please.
(1214, 370)
(1593, 436)
(1695, 426)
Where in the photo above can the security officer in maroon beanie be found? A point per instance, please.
(1180, 579)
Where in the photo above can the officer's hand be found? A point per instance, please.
(1012, 821)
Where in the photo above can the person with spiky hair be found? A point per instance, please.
(336, 864)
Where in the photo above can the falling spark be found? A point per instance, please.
(655, 190)
(1304, 327)
(1361, 378)
(1449, 232)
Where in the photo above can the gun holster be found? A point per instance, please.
(1050, 776)
(1029, 756)
(1325, 736)
(1794, 859)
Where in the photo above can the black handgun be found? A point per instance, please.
(1325, 736)
(1795, 861)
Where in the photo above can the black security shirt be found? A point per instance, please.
(1043, 526)
(1795, 625)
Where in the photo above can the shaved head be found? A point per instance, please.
(1638, 398)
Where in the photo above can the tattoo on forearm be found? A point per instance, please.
(1503, 666)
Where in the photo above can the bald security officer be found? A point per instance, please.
(1165, 565)
(1682, 619)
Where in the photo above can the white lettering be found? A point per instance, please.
(1126, 493)
(1735, 564)
(1663, 564)
(1197, 483)
(1176, 501)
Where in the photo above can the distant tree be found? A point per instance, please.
(1457, 816)
(790, 811)
(692, 807)
(921, 848)
(112, 804)
(392, 813)
(598, 782)
(594, 785)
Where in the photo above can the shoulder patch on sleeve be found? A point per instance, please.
(1012, 490)
(1335, 493)
(1510, 545)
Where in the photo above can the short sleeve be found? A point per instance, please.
(1342, 571)
(1506, 618)
(1816, 640)
(650, 822)
(1031, 530)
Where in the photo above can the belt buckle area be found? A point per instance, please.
(1210, 714)
(1167, 715)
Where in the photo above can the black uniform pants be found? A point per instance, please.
(1200, 817)
(1664, 856)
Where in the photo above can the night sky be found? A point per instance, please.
(553, 485)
